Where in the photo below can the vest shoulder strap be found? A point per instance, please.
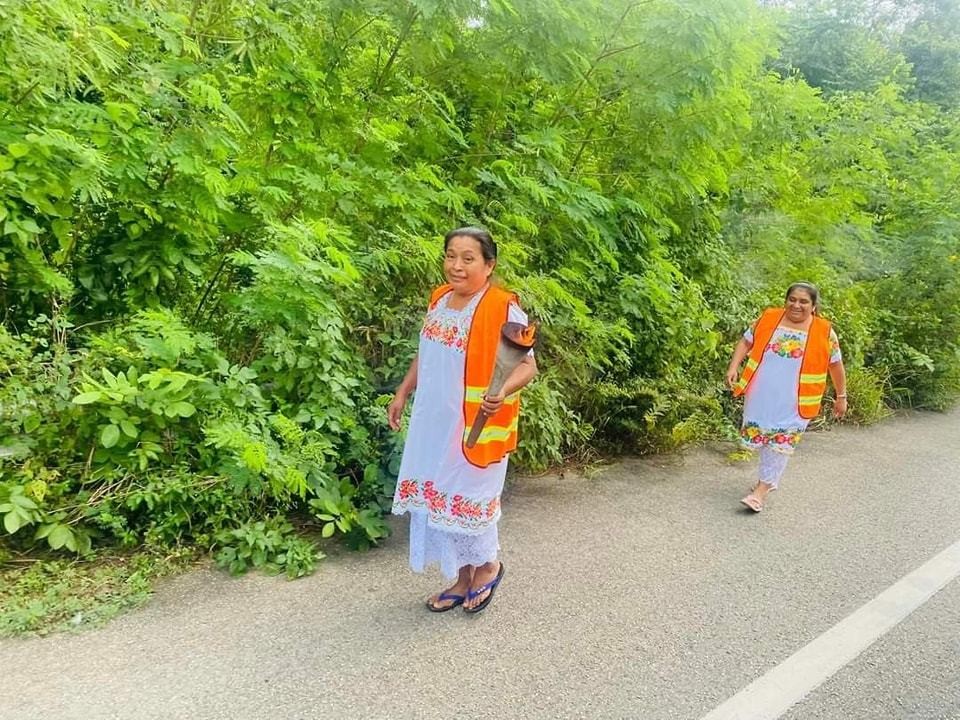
(439, 293)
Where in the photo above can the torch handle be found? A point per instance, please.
(496, 385)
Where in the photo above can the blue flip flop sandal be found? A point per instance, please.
(491, 586)
(457, 602)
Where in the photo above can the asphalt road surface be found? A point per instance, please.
(642, 591)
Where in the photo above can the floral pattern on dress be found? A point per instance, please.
(787, 344)
(445, 330)
(469, 513)
(407, 489)
(754, 436)
(449, 327)
(435, 500)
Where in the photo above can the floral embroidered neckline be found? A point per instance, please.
(787, 343)
(450, 327)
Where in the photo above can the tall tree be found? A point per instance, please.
(931, 42)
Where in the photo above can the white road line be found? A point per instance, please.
(773, 693)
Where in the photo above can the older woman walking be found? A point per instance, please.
(789, 352)
(452, 492)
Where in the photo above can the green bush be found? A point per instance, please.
(178, 447)
(643, 416)
(550, 431)
(867, 391)
(269, 545)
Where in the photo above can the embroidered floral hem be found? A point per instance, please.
(467, 514)
(783, 440)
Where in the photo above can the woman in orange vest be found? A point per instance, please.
(789, 353)
(452, 492)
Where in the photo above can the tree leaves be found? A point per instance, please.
(109, 436)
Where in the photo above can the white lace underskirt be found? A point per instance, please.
(450, 550)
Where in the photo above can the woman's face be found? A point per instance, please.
(464, 265)
(799, 305)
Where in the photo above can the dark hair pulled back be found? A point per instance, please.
(812, 290)
(487, 246)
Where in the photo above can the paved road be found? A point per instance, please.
(640, 592)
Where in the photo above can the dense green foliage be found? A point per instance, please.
(221, 220)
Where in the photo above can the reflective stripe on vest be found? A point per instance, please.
(491, 433)
(499, 434)
(475, 393)
(813, 368)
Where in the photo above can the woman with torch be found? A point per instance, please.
(475, 354)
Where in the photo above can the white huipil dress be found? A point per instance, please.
(771, 420)
(454, 506)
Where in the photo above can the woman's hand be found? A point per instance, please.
(492, 403)
(395, 410)
(731, 377)
(839, 407)
(838, 376)
(739, 353)
(521, 375)
(407, 386)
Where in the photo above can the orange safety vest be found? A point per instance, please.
(499, 435)
(813, 367)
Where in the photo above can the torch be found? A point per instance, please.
(516, 340)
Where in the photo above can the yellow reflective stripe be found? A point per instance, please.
(512, 427)
(809, 399)
(491, 433)
(474, 394)
(751, 364)
(810, 378)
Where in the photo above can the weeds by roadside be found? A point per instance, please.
(45, 596)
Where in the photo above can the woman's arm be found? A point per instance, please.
(838, 376)
(522, 374)
(739, 353)
(406, 386)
